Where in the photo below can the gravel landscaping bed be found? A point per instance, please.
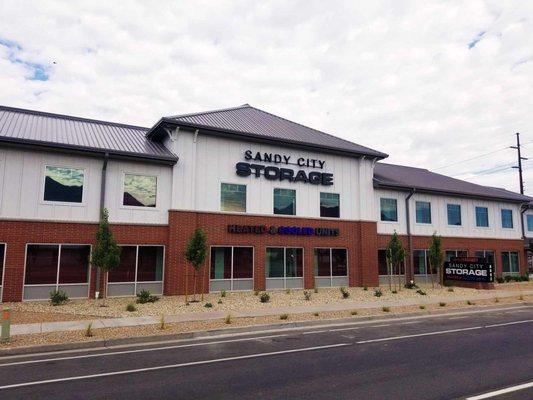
(43, 311)
(150, 330)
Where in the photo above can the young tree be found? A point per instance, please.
(196, 252)
(436, 257)
(395, 253)
(106, 253)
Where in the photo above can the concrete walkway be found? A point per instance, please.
(25, 329)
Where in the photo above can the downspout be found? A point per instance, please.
(523, 208)
(102, 205)
(409, 236)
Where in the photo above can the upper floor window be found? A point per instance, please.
(507, 218)
(423, 212)
(329, 205)
(454, 214)
(139, 190)
(389, 209)
(233, 197)
(482, 217)
(530, 223)
(63, 184)
(285, 201)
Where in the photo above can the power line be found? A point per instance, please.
(472, 158)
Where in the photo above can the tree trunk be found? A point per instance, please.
(194, 286)
(389, 270)
(186, 288)
(203, 283)
(432, 276)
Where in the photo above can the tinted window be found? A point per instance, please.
(74, 264)
(423, 212)
(220, 262)
(125, 272)
(41, 264)
(482, 216)
(454, 214)
(63, 184)
(507, 218)
(150, 264)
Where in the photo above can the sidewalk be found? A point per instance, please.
(345, 305)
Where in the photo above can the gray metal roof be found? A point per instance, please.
(423, 180)
(250, 122)
(41, 129)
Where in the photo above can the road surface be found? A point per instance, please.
(439, 357)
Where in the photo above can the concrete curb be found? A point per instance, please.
(285, 326)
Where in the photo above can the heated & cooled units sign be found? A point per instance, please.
(469, 269)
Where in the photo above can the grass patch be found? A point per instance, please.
(227, 320)
(385, 309)
(422, 307)
(284, 316)
(354, 312)
(131, 307)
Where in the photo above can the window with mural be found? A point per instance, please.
(139, 190)
(330, 205)
(285, 201)
(232, 197)
(63, 185)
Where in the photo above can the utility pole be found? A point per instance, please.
(520, 158)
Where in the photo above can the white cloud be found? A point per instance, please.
(397, 76)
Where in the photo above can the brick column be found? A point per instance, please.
(309, 267)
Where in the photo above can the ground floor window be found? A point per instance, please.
(421, 262)
(488, 255)
(232, 268)
(383, 267)
(140, 268)
(510, 264)
(284, 267)
(56, 267)
(448, 254)
(331, 267)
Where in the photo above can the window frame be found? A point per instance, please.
(143, 208)
(331, 276)
(448, 215)
(136, 282)
(320, 205)
(512, 218)
(56, 284)
(274, 202)
(508, 253)
(475, 217)
(220, 197)
(426, 261)
(380, 208)
(232, 278)
(430, 213)
(83, 202)
(284, 278)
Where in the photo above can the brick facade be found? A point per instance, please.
(360, 238)
(464, 243)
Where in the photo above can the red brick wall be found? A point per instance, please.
(465, 243)
(359, 238)
(16, 234)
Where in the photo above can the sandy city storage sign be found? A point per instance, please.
(275, 173)
(468, 269)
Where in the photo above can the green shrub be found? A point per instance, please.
(496, 300)
(131, 307)
(354, 312)
(58, 297)
(219, 301)
(450, 289)
(345, 293)
(89, 330)
(470, 303)
(264, 298)
(316, 314)
(524, 278)
(208, 305)
(422, 307)
(222, 293)
(447, 283)
(508, 278)
(521, 297)
(378, 292)
(365, 288)
(442, 304)
(227, 320)
(307, 295)
(256, 292)
(421, 292)
(316, 289)
(394, 291)
(288, 291)
(162, 323)
(144, 296)
(411, 285)
(284, 316)
(385, 309)
(499, 279)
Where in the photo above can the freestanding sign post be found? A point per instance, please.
(469, 269)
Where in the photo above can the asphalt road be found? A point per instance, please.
(444, 357)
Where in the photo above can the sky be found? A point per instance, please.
(434, 84)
